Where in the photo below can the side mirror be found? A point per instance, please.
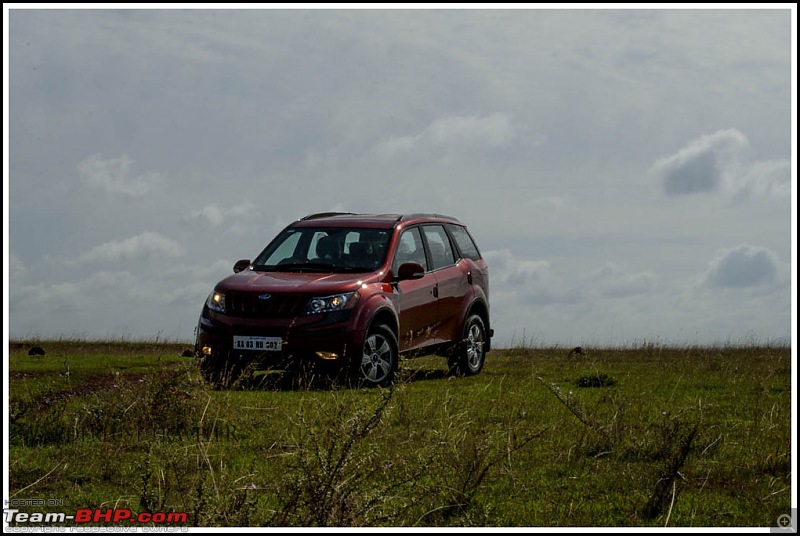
(410, 270)
(241, 265)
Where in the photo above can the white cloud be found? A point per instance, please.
(75, 295)
(210, 213)
(141, 246)
(16, 267)
(742, 266)
(543, 302)
(454, 133)
(191, 295)
(701, 165)
(538, 282)
(719, 162)
(106, 304)
(508, 270)
(115, 176)
(764, 179)
(216, 216)
(557, 202)
(611, 282)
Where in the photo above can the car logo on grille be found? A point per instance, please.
(264, 296)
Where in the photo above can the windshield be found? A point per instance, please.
(325, 250)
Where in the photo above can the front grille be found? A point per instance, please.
(249, 304)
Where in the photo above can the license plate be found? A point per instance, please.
(257, 344)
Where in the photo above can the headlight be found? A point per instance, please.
(337, 302)
(216, 302)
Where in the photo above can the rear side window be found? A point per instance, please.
(439, 246)
(464, 242)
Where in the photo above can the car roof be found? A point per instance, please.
(380, 221)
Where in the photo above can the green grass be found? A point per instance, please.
(649, 436)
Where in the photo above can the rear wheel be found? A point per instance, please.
(470, 354)
(379, 357)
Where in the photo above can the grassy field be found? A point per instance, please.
(631, 437)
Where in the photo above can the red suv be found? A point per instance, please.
(358, 290)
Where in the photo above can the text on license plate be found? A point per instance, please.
(259, 344)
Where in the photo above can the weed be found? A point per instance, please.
(677, 436)
(330, 470)
(597, 379)
(467, 454)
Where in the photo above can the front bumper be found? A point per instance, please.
(323, 337)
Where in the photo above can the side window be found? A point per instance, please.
(439, 245)
(410, 249)
(466, 246)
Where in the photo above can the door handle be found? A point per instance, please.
(436, 291)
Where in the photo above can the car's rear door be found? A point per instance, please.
(452, 286)
(416, 299)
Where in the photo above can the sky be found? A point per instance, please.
(627, 174)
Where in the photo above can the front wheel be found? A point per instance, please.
(470, 354)
(379, 357)
(220, 369)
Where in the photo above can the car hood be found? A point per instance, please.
(282, 282)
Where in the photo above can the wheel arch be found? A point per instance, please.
(387, 317)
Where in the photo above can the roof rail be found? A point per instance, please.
(428, 215)
(323, 215)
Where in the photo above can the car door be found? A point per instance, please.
(451, 283)
(416, 299)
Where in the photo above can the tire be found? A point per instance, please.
(379, 358)
(470, 354)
